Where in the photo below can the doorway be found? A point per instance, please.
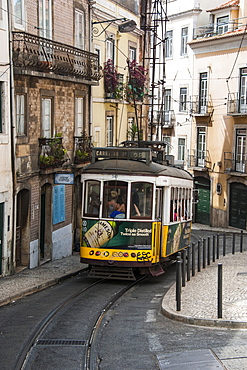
(238, 205)
(202, 210)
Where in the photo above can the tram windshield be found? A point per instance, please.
(115, 199)
(92, 198)
(141, 200)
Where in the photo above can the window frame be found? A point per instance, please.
(169, 44)
(184, 41)
(45, 18)
(20, 25)
(79, 29)
(181, 148)
(81, 128)
(22, 114)
(109, 131)
(183, 99)
(51, 124)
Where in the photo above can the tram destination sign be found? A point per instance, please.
(122, 153)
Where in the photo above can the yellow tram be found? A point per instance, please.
(136, 213)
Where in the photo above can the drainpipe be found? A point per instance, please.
(12, 138)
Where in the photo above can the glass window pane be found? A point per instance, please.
(92, 198)
(115, 199)
(141, 200)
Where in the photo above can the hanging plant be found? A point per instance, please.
(110, 77)
(135, 87)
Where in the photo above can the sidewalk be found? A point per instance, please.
(29, 281)
(199, 296)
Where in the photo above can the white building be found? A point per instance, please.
(7, 249)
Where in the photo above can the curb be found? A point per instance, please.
(42, 286)
(218, 323)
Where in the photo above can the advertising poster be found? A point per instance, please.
(116, 234)
(178, 237)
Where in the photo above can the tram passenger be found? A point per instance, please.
(119, 211)
(94, 203)
(135, 203)
(111, 202)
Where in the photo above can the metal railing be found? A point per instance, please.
(233, 164)
(82, 149)
(199, 159)
(236, 104)
(215, 29)
(43, 55)
(201, 105)
(52, 153)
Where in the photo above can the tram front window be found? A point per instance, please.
(92, 198)
(141, 200)
(115, 199)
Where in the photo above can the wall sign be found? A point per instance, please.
(64, 178)
(58, 204)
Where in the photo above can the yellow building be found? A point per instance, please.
(117, 38)
(219, 111)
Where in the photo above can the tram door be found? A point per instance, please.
(157, 228)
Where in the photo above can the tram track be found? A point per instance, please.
(89, 344)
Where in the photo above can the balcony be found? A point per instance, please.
(233, 164)
(236, 105)
(82, 149)
(35, 53)
(201, 105)
(214, 29)
(164, 119)
(199, 159)
(118, 92)
(51, 153)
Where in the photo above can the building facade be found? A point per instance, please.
(7, 203)
(119, 113)
(54, 70)
(219, 124)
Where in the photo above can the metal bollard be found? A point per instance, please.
(204, 253)
(241, 241)
(220, 291)
(178, 284)
(214, 237)
(183, 266)
(193, 259)
(233, 243)
(199, 256)
(209, 242)
(224, 244)
(188, 263)
(218, 247)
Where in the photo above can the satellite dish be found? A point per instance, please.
(127, 26)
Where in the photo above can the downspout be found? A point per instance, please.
(12, 138)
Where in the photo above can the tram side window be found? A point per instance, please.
(115, 199)
(179, 204)
(92, 198)
(141, 200)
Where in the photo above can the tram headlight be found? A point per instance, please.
(91, 253)
(133, 255)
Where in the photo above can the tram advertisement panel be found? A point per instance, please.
(116, 234)
(178, 237)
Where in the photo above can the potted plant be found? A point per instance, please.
(110, 77)
(134, 89)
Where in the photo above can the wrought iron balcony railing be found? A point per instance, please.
(201, 105)
(52, 153)
(82, 149)
(43, 55)
(164, 119)
(199, 158)
(234, 163)
(215, 29)
(236, 105)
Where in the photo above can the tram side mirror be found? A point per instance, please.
(195, 195)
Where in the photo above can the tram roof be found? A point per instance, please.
(124, 166)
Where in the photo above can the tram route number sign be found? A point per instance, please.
(122, 153)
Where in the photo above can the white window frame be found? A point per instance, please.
(184, 40)
(79, 115)
(109, 49)
(45, 19)
(79, 29)
(169, 44)
(181, 148)
(19, 20)
(167, 100)
(132, 53)
(109, 130)
(183, 99)
(21, 114)
(46, 117)
(222, 24)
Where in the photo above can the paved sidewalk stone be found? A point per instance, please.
(29, 281)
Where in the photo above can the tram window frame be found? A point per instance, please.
(92, 198)
(136, 211)
(180, 204)
(158, 203)
(120, 188)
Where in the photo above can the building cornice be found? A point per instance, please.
(186, 13)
